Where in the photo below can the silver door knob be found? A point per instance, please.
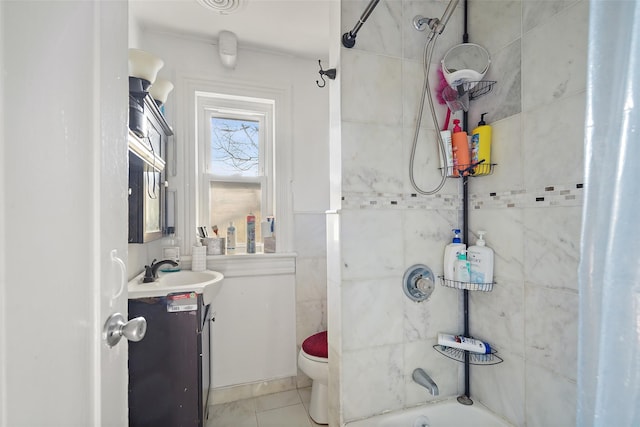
(117, 327)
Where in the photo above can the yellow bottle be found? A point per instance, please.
(481, 147)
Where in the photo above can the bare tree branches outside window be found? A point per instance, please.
(235, 146)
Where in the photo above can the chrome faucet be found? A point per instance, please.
(425, 381)
(151, 271)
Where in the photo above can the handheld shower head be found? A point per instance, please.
(445, 16)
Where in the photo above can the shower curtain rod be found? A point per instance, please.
(349, 39)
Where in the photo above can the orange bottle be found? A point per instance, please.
(460, 146)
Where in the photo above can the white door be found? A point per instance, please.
(63, 211)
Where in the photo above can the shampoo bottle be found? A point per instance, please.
(451, 254)
(481, 261)
(231, 238)
(460, 148)
(251, 234)
(464, 343)
(462, 269)
(481, 147)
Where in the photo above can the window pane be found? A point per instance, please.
(232, 201)
(235, 147)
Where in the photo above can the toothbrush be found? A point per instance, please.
(215, 230)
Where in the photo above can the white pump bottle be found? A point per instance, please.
(451, 252)
(481, 259)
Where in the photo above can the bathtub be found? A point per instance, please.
(447, 413)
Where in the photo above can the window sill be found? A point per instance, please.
(245, 265)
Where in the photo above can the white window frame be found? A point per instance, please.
(192, 157)
(262, 110)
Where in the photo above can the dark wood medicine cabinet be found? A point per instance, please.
(147, 177)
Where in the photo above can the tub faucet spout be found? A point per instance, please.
(421, 377)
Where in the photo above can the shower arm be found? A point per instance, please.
(436, 25)
(349, 38)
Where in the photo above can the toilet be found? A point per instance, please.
(313, 361)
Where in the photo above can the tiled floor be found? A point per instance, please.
(285, 409)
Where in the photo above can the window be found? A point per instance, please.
(237, 176)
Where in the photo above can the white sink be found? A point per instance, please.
(207, 283)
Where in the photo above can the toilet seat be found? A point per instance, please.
(317, 347)
(314, 358)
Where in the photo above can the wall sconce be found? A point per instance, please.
(160, 90)
(143, 69)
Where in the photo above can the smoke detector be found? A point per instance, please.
(223, 7)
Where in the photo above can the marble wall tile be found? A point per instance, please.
(335, 386)
(501, 387)
(552, 246)
(311, 279)
(498, 316)
(381, 33)
(505, 235)
(371, 244)
(415, 41)
(552, 329)
(373, 381)
(311, 318)
(426, 233)
(442, 370)
(506, 153)
(310, 235)
(487, 16)
(537, 12)
(426, 169)
(371, 88)
(372, 158)
(372, 313)
(413, 81)
(424, 320)
(546, 161)
(551, 398)
(504, 100)
(554, 60)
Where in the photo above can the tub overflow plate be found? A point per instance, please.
(418, 282)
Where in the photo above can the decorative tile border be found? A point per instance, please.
(555, 195)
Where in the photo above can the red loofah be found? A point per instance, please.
(316, 345)
(442, 83)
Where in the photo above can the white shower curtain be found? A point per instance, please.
(609, 273)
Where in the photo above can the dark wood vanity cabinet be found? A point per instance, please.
(147, 159)
(169, 369)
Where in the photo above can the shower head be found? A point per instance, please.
(435, 25)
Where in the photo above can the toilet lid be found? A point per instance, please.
(316, 345)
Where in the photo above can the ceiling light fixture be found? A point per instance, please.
(224, 7)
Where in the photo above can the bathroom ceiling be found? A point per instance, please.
(299, 27)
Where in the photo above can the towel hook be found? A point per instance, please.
(331, 73)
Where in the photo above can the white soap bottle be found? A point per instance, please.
(481, 261)
(461, 268)
(451, 254)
